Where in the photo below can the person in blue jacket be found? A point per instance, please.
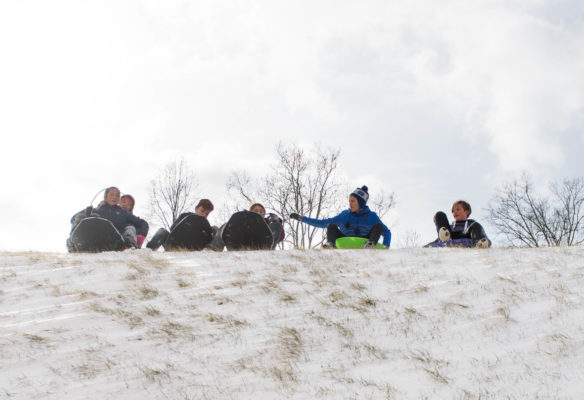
(357, 221)
(126, 223)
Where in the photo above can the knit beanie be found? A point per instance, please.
(362, 195)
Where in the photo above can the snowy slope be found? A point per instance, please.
(399, 324)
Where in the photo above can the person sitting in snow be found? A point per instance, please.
(461, 228)
(126, 223)
(357, 221)
(203, 209)
(274, 223)
(127, 203)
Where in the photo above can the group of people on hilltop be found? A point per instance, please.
(119, 210)
(356, 221)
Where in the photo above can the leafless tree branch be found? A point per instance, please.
(528, 220)
(172, 192)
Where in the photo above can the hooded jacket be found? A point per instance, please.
(353, 224)
(120, 218)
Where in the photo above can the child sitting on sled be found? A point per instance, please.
(125, 222)
(127, 203)
(357, 221)
(203, 209)
(462, 232)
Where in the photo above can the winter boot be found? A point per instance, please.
(444, 234)
(483, 243)
(130, 236)
(369, 245)
(158, 239)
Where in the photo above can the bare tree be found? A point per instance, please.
(300, 181)
(382, 203)
(569, 213)
(411, 239)
(172, 192)
(526, 219)
(303, 182)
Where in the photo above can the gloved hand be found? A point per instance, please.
(272, 218)
(296, 217)
(139, 241)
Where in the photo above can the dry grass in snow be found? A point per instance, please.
(405, 324)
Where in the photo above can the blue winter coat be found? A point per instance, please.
(120, 218)
(353, 224)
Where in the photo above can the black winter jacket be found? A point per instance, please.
(120, 218)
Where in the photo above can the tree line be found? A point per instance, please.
(526, 218)
(308, 182)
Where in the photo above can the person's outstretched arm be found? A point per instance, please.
(319, 223)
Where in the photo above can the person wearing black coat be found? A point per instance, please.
(126, 223)
(203, 209)
(127, 203)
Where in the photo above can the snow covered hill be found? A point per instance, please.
(399, 324)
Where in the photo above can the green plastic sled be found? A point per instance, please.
(354, 243)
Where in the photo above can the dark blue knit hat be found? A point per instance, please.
(362, 195)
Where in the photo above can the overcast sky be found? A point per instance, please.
(433, 103)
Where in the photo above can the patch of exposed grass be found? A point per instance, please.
(422, 356)
(358, 286)
(437, 375)
(283, 374)
(132, 277)
(182, 283)
(290, 268)
(84, 294)
(35, 257)
(240, 283)
(85, 370)
(504, 312)
(375, 351)
(174, 330)
(35, 338)
(136, 269)
(341, 329)
(290, 342)
(9, 275)
(56, 290)
(337, 296)
(92, 369)
(147, 292)
(97, 307)
(270, 283)
(432, 366)
(367, 302)
(450, 305)
(421, 289)
(130, 318)
(156, 374)
(287, 297)
(226, 320)
(411, 311)
(152, 311)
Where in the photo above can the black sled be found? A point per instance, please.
(247, 230)
(192, 233)
(94, 235)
